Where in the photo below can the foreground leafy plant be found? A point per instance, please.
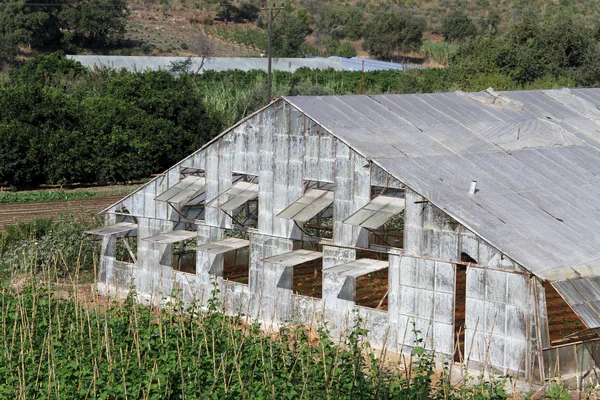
(55, 348)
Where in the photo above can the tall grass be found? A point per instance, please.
(439, 52)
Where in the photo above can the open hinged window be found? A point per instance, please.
(304, 270)
(184, 255)
(125, 232)
(183, 241)
(240, 201)
(383, 216)
(366, 282)
(187, 196)
(236, 257)
(314, 209)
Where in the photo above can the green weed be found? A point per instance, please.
(62, 195)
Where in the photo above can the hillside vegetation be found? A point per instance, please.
(379, 29)
(61, 123)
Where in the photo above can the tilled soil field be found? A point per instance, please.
(23, 212)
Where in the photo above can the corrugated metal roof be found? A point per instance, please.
(535, 156)
(583, 295)
(537, 165)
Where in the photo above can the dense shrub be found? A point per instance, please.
(388, 32)
(458, 26)
(90, 23)
(56, 246)
(556, 44)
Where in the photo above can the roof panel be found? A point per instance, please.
(294, 258)
(588, 314)
(376, 212)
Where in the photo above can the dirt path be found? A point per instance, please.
(24, 212)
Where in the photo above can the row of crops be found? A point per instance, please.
(82, 348)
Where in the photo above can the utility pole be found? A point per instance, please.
(271, 17)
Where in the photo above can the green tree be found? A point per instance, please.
(32, 22)
(248, 11)
(333, 23)
(226, 12)
(354, 25)
(457, 26)
(554, 44)
(288, 37)
(95, 22)
(9, 48)
(19, 160)
(550, 46)
(389, 32)
(337, 48)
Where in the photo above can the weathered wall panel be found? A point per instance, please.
(497, 319)
(426, 299)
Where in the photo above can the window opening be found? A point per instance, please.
(385, 217)
(184, 255)
(308, 276)
(126, 249)
(460, 305)
(562, 320)
(368, 278)
(372, 288)
(188, 196)
(125, 232)
(305, 268)
(236, 263)
(236, 259)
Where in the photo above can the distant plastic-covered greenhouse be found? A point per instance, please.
(241, 63)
